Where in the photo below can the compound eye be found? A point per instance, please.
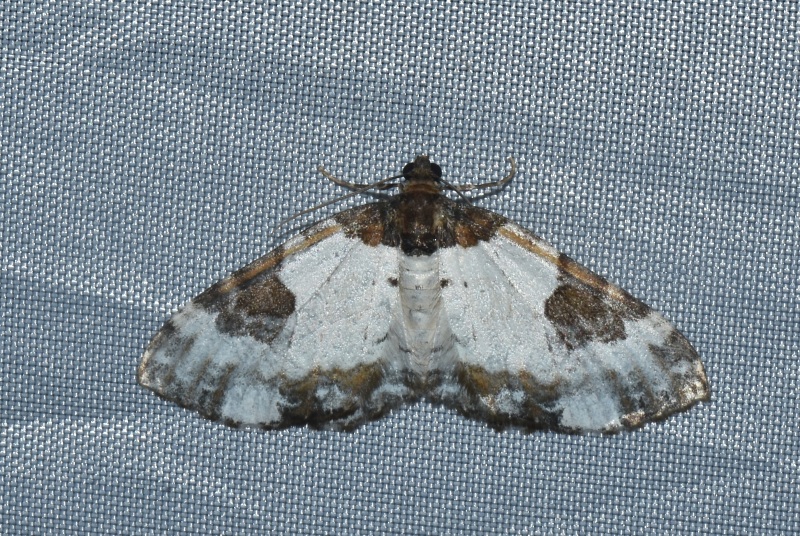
(408, 168)
(436, 170)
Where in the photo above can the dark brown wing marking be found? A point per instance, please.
(583, 310)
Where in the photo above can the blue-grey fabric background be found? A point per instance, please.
(147, 149)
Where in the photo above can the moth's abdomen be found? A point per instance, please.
(421, 302)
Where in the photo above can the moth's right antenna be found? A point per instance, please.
(502, 182)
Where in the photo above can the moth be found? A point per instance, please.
(419, 296)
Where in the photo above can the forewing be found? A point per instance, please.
(297, 337)
(545, 343)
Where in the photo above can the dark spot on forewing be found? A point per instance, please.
(211, 298)
(444, 283)
(258, 309)
(268, 297)
(217, 294)
(581, 316)
(583, 310)
(572, 272)
(393, 281)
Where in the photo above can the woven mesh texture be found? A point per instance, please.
(149, 148)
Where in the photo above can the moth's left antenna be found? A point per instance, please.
(357, 189)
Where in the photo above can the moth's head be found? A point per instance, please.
(421, 173)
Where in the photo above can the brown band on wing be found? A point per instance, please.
(420, 222)
(484, 396)
(483, 383)
(324, 396)
(254, 301)
(585, 307)
(254, 269)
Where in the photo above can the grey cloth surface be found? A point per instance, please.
(148, 149)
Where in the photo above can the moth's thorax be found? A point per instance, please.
(421, 221)
(420, 290)
(423, 186)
